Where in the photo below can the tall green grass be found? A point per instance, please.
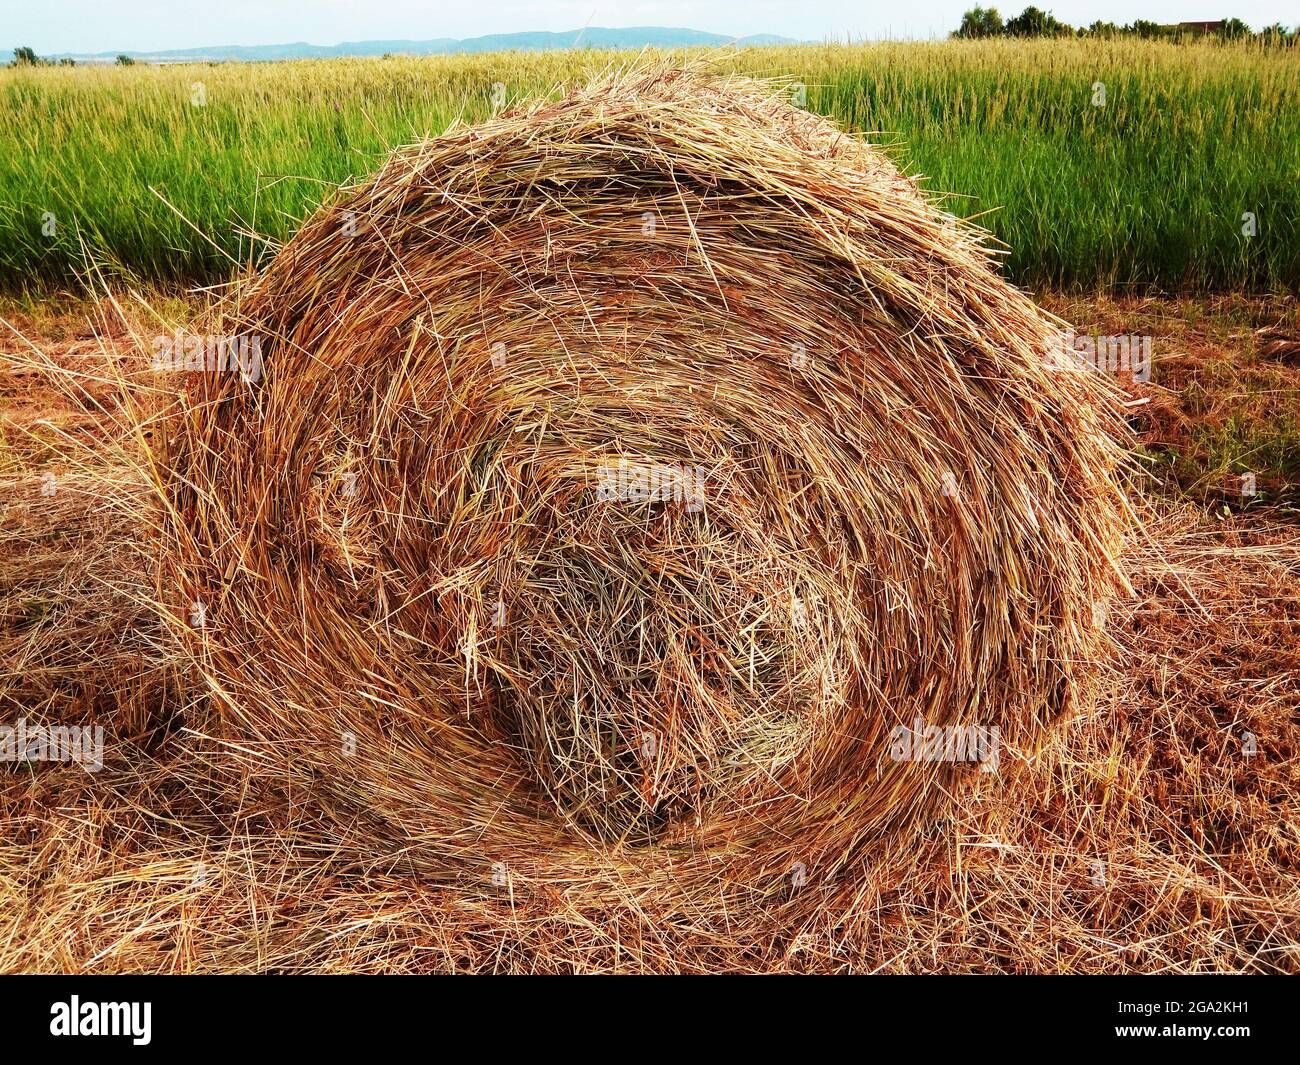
(1147, 190)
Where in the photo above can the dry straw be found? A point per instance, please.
(622, 474)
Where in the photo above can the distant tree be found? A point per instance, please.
(124, 60)
(981, 22)
(1146, 29)
(25, 57)
(1034, 22)
(67, 62)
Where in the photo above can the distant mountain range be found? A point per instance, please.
(591, 37)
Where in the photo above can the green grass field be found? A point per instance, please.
(1149, 189)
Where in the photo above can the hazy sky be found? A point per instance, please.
(151, 25)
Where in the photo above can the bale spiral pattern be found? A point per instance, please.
(623, 471)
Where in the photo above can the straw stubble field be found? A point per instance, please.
(399, 676)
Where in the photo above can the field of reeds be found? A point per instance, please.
(1099, 164)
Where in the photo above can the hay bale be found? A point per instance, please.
(622, 475)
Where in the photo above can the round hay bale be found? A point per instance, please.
(627, 481)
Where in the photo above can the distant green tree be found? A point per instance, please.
(1034, 22)
(981, 22)
(1103, 29)
(67, 62)
(124, 60)
(25, 57)
(1146, 29)
(1234, 29)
